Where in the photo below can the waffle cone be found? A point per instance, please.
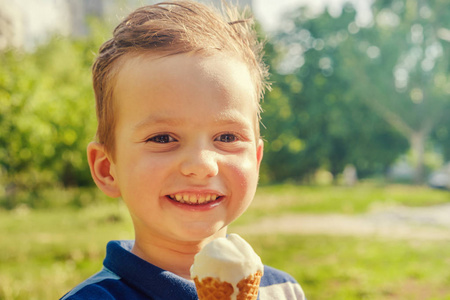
(248, 287)
(210, 288)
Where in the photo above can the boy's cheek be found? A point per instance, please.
(245, 171)
(248, 163)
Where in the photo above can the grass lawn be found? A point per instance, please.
(46, 252)
(354, 268)
(281, 199)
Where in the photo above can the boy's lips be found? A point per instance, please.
(194, 198)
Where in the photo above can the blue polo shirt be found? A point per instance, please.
(126, 276)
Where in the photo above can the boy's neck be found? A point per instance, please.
(173, 257)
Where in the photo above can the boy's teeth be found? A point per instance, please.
(194, 199)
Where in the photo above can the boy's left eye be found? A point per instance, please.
(161, 139)
(227, 138)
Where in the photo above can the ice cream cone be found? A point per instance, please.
(248, 287)
(213, 289)
(210, 288)
(227, 269)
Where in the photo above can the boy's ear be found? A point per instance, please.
(259, 151)
(100, 165)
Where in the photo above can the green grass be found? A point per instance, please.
(46, 252)
(283, 199)
(354, 268)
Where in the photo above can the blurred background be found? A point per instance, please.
(356, 124)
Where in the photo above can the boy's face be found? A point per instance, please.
(187, 150)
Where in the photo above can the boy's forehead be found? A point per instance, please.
(161, 65)
(200, 57)
(150, 72)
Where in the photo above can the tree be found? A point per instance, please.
(409, 44)
(47, 115)
(320, 121)
(397, 69)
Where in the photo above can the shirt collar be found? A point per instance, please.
(145, 277)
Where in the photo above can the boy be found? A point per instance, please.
(177, 91)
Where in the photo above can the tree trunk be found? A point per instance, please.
(417, 142)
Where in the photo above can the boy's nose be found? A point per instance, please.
(200, 163)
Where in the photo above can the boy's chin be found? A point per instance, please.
(199, 234)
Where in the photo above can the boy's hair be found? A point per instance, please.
(171, 28)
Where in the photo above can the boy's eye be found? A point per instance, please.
(161, 139)
(226, 138)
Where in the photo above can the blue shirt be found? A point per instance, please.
(126, 276)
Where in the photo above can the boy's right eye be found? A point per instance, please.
(161, 139)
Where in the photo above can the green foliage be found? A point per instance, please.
(314, 117)
(47, 116)
(441, 134)
(342, 94)
(347, 94)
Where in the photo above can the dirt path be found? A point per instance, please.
(430, 223)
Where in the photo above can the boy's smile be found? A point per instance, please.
(187, 149)
(195, 199)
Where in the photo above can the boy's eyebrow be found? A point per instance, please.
(152, 120)
(223, 119)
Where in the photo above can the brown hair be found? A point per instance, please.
(171, 28)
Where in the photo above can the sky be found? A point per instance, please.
(268, 12)
(40, 16)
